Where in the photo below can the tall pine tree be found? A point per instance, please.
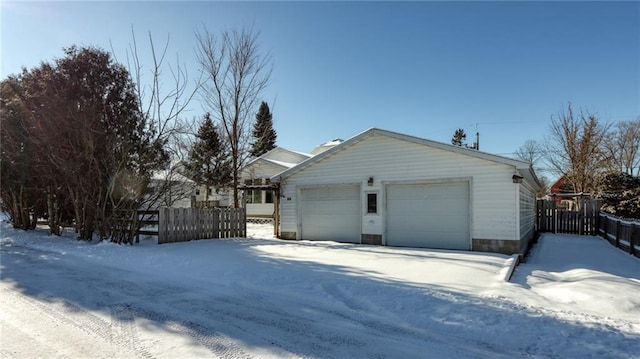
(263, 132)
(209, 163)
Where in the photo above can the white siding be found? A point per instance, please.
(527, 210)
(260, 169)
(259, 209)
(389, 160)
(221, 195)
(280, 154)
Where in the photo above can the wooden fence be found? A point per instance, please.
(187, 224)
(622, 234)
(583, 220)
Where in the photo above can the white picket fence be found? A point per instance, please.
(188, 224)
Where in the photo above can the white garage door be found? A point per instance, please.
(331, 213)
(434, 215)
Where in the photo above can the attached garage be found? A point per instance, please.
(331, 213)
(429, 215)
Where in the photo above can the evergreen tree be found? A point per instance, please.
(459, 137)
(209, 163)
(263, 132)
(620, 194)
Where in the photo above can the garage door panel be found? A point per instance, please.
(428, 215)
(331, 213)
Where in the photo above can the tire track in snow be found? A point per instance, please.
(123, 329)
(206, 336)
(252, 314)
(120, 330)
(62, 312)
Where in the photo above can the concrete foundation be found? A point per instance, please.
(287, 235)
(497, 246)
(375, 239)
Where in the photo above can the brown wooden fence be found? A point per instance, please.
(187, 224)
(583, 220)
(622, 234)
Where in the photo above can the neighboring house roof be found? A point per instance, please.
(326, 146)
(279, 157)
(280, 163)
(170, 175)
(557, 186)
(524, 168)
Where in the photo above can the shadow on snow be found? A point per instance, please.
(319, 310)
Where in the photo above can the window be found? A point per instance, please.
(257, 196)
(253, 195)
(372, 203)
(197, 192)
(268, 197)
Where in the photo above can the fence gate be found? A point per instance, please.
(582, 220)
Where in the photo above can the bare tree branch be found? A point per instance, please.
(576, 142)
(237, 73)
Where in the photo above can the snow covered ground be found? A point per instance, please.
(576, 297)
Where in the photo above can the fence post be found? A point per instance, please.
(635, 233)
(134, 226)
(596, 210)
(618, 225)
(554, 217)
(216, 223)
(162, 223)
(580, 221)
(244, 222)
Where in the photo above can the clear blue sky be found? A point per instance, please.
(421, 68)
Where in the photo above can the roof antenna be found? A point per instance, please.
(476, 145)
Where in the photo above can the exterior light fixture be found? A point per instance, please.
(517, 179)
(370, 181)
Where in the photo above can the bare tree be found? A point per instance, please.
(531, 152)
(164, 91)
(576, 148)
(237, 72)
(622, 145)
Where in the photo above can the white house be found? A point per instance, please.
(171, 189)
(255, 179)
(382, 187)
(216, 197)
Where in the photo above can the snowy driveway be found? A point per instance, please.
(269, 298)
